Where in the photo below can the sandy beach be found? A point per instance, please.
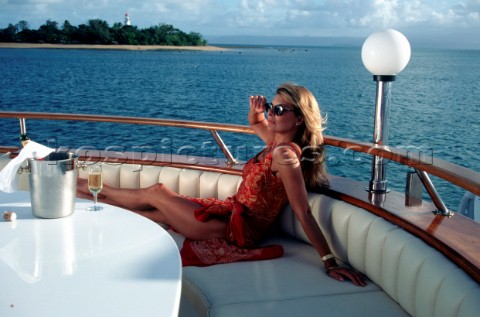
(113, 47)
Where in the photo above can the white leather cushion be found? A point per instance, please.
(130, 175)
(399, 262)
(208, 185)
(110, 172)
(170, 177)
(149, 175)
(470, 304)
(279, 287)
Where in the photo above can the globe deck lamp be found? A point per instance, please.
(384, 54)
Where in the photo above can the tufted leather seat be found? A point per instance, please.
(406, 276)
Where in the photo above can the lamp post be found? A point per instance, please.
(384, 54)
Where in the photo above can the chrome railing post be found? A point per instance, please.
(427, 183)
(223, 147)
(378, 180)
(23, 126)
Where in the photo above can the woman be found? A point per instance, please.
(291, 161)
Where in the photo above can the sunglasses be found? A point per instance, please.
(278, 110)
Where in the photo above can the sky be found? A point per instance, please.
(427, 23)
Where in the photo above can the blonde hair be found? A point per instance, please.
(309, 135)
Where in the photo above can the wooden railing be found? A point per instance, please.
(455, 174)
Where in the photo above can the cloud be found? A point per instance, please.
(34, 2)
(258, 17)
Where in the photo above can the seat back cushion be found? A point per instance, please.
(417, 276)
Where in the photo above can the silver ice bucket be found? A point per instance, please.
(53, 185)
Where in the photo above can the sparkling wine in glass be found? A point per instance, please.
(95, 184)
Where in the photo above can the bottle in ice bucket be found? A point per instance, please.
(53, 184)
(24, 139)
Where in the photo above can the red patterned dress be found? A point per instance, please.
(249, 214)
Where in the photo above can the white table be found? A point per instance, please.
(106, 263)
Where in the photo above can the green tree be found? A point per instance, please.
(9, 34)
(98, 32)
(49, 32)
(22, 26)
(196, 39)
(163, 31)
(24, 34)
(68, 32)
(127, 35)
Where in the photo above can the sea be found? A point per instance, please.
(434, 108)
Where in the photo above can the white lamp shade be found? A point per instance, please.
(386, 52)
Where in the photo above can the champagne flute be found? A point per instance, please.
(95, 184)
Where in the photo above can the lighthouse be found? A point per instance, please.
(127, 19)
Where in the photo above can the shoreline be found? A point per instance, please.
(113, 47)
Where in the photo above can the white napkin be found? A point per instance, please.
(9, 176)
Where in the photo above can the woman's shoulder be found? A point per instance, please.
(289, 153)
(288, 147)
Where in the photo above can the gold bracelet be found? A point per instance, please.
(328, 257)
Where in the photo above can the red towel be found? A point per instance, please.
(217, 251)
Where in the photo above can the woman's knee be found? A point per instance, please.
(159, 196)
(158, 189)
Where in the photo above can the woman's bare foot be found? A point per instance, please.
(82, 189)
(84, 192)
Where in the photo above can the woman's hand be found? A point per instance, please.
(82, 189)
(257, 104)
(340, 273)
(256, 118)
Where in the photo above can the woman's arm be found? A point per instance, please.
(287, 164)
(256, 118)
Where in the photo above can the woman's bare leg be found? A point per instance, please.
(125, 198)
(161, 204)
(177, 211)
